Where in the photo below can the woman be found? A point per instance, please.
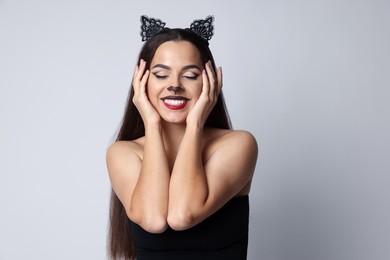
(180, 175)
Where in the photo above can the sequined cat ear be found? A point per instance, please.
(150, 27)
(203, 28)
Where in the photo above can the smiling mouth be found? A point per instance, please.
(175, 102)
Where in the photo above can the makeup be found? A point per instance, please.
(175, 102)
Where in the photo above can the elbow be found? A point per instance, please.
(156, 226)
(180, 221)
(152, 223)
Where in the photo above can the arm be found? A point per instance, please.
(149, 202)
(142, 183)
(188, 186)
(142, 187)
(198, 188)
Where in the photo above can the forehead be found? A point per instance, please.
(177, 53)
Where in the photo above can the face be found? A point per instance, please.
(175, 81)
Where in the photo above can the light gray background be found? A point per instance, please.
(310, 79)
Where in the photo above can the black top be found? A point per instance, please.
(223, 235)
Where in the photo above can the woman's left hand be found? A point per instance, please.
(212, 85)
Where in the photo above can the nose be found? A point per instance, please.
(176, 89)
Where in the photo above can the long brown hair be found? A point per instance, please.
(120, 242)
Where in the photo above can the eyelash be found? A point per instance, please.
(192, 77)
(160, 77)
(187, 77)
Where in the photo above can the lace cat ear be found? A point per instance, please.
(203, 28)
(150, 27)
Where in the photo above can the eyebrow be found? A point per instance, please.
(192, 66)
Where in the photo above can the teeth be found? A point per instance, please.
(174, 102)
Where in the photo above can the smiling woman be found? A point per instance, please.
(175, 82)
(180, 175)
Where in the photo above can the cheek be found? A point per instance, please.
(150, 90)
(198, 87)
(152, 86)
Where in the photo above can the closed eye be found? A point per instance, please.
(192, 77)
(160, 76)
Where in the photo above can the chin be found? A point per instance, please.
(175, 120)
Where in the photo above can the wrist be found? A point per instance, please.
(195, 127)
(196, 124)
(152, 126)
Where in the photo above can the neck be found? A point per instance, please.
(172, 135)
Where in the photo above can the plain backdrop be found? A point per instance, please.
(310, 79)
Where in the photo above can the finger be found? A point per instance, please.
(135, 73)
(211, 67)
(211, 77)
(205, 88)
(134, 83)
(140, 70)
(143, 82)
(220, 80)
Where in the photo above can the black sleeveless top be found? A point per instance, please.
(223, 235)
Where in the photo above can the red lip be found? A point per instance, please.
(175, 102)
(175, 107)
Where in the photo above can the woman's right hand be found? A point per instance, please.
(148, 113)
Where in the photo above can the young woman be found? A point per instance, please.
(180, 175)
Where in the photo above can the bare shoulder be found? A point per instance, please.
(122, 155)
(234, 149)
(239, 140)
(241, 136)
(123, 161)
(230, 161)
(125, 148)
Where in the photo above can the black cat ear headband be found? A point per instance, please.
(152, 26)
